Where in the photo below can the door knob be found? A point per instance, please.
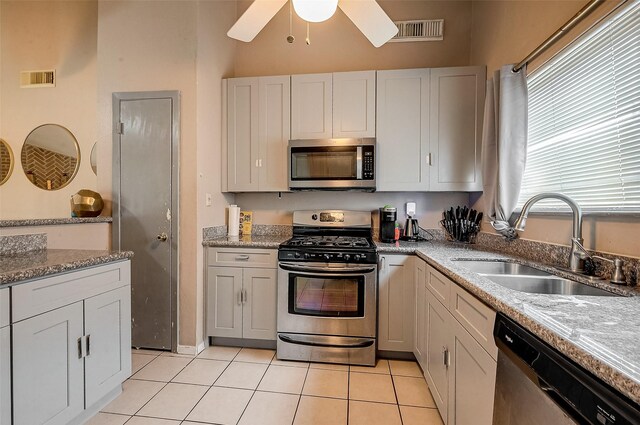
(163, 237)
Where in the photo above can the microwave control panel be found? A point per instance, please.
(367, 163)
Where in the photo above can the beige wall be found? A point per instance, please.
(505, 32)
(47, 35)
(151, 46)
(337, 45)
(68, 236)
(215, 61)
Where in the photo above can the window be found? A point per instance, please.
(584, 120)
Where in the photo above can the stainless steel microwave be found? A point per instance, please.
(332, 164)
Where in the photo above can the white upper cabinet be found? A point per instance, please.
(274, 132)
(429, 125)
(242, 134)
(354, 100)
(402, 130)
(311, 106)
(457, 105)
(338, 105)
(258, 129)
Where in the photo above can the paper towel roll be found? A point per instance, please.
(234, 220)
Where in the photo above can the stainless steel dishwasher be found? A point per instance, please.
(536, 385)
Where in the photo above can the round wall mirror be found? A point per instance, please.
(93, 160)
(50, 157)
(6, 161)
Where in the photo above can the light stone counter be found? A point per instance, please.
(602, 334)
(15, 268)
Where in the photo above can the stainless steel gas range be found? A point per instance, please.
(327, 289)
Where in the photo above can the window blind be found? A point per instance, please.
(584, 120)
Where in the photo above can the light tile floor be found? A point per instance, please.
(233, 386)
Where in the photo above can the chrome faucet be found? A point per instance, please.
(576, 257)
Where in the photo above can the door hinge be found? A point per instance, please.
(120, 128)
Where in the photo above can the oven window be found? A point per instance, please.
(326, 296)
(324, 163)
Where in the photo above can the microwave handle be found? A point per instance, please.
(359, 163)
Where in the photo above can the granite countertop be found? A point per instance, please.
(55, 221)
(247, 241)
(15, 268)
(602, 334)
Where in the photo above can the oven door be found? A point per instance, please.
(327, 299)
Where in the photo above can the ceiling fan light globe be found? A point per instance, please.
(315, 10)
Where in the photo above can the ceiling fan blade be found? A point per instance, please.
(256, 17)
(369, 17)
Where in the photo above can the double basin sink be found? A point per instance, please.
(528, 279)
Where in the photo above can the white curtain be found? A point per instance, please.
(504, 145)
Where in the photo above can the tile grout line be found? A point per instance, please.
(395, 393)
(254, 391)
(300, 397)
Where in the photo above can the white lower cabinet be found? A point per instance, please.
(461, 373)
(69, 361)
(5, 363)
(241, 300)
(396, 295)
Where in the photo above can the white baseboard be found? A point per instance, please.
(190, 349)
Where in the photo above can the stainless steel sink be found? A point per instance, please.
(528, 279)
(501, 268)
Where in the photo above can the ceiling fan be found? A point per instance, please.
(367, 15)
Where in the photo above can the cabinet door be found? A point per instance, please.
(419, 343)
(259, 309)
(242, 134)
(472, 382)
(354, 104)
(275, 128)
(48, 378)
(224, 302)
(438, 327)
(457, 104)
(107, 321)
(397, 302)
(5, 375)
(402, 122)
(311, 106)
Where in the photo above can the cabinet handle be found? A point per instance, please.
(446, 357)
(381, 263)
(260, 163)
(88, 337)
(80, 348)
(429, 158)
(256, 163)
(242, 257)
(240, 297)
(244, 296)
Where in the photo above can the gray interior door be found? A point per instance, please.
(144, 197)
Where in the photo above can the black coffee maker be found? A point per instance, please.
(388, 216)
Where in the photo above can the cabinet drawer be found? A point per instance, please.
(4, 307)
(243, 257)
(439, 285)
(38, 296)
(475, 317)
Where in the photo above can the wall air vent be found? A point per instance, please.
(29, 79)
(423, 30)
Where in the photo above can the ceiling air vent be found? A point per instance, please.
(45, 78)
(423, 30)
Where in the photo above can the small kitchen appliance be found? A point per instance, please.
(411, 230)
(388, 217)
(327, 289)
(332, 164)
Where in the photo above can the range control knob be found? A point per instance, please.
(296, 255)
(306, 255)
(356, 257)
(346, 257)
(327, 257)
(314, 217)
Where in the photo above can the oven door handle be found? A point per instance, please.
(331, 270)
(359, 344)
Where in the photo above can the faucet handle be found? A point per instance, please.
(618, 276)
